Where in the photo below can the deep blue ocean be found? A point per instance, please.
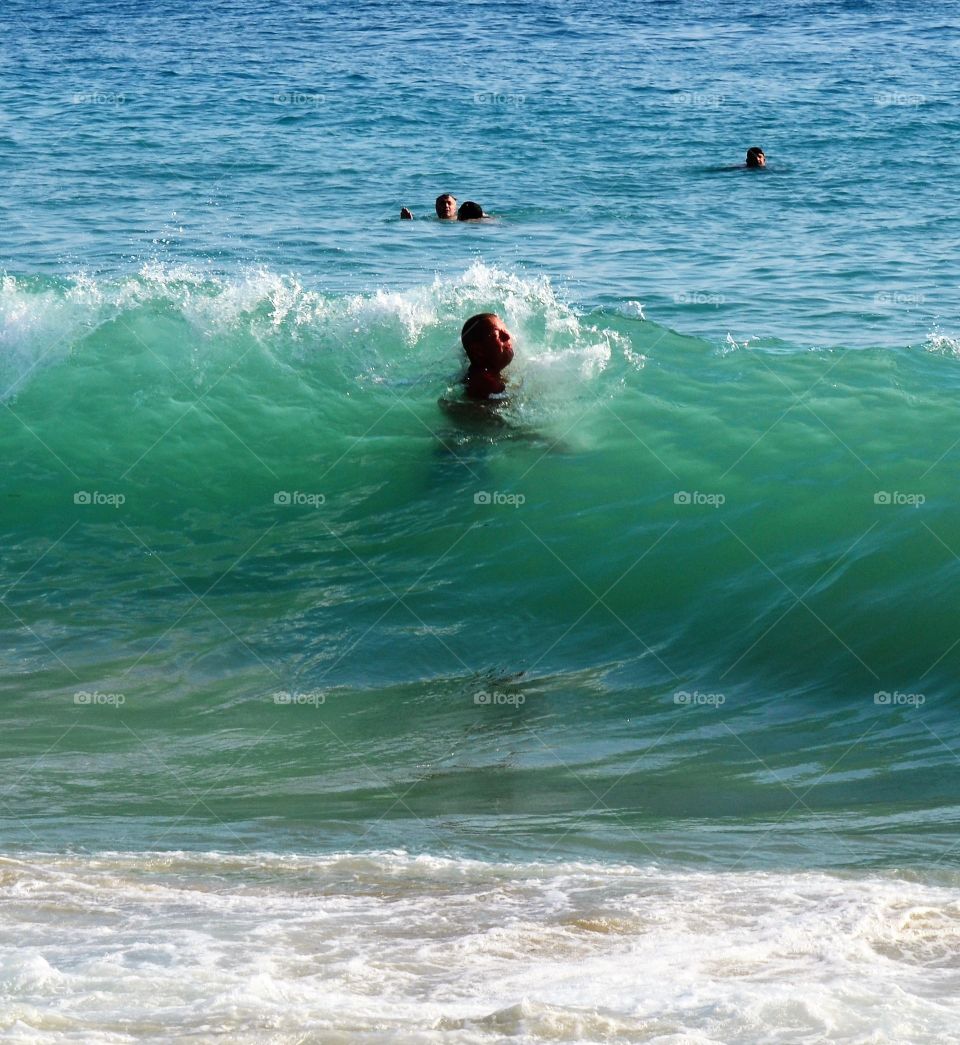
(331, 715)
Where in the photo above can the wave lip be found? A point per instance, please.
(42, 321)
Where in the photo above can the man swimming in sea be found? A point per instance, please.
(756, 158)
(489, 347)
(446, 207)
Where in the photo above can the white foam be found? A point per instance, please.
(943, 344)
(394, 946)
(37, 328)
(632, 310)
(730, 344)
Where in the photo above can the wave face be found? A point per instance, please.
(682, 591)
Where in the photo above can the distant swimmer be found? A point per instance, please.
(489, 347)
(446, 207)
(756, 161)
(470, 211)
(404, 213)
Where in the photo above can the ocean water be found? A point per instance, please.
(330, 716)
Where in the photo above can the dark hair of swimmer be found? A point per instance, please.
(469, 211)
(755, 157)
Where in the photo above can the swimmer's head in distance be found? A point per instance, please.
(446, 206)
(755, 157)
(470, 211)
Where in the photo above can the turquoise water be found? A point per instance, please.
(631, 717)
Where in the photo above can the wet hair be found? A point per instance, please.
(443, 196)
(469, 210)
(752, 154)
(472, 330)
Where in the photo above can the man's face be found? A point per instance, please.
(761, 160)
(446, 207)
(497, 345)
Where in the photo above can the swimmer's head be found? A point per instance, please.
(487, 341)
(446, 206)
(755, 157)
(469, 211)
